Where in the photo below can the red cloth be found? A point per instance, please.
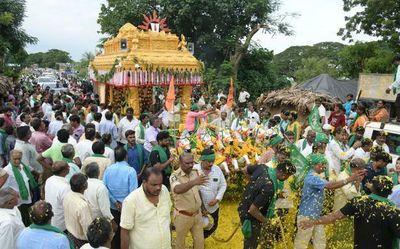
(337, 119)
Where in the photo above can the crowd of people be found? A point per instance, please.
(77, 173)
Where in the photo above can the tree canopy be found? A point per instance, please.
(48, 59)
(378, 18)
(12, 37)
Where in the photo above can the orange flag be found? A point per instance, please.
(170, 100)
(229, 101)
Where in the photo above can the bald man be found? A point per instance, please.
(21, 179)
(185, 184)
(42, 235)
(55, 190)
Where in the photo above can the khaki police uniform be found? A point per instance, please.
(187, 214)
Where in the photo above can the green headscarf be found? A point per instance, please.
(321, 138)
(315, 159)
(274, 141)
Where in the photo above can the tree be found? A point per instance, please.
(368, 57)
(221, 30)
(12, 37)
(257, 74)
(375, 18)
(82, 65)
(314, 66)
(288, 62)
(48, 59)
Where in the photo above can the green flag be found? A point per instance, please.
(314, 120)
(302, 166)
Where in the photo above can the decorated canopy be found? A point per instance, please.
(146, 56)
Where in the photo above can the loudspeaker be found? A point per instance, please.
(124, 44)
(191, 47)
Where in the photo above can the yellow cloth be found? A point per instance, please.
(77, 214)
(103, 163)
(148, 225)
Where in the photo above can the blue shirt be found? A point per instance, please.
(107, 126)
(41, 239)
(120, 179)
(347, 106)
(312, 199)
(133, 157)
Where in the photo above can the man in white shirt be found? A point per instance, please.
(129, 122)
(21, 180)
(305, 145)
(252, 116)
(141, 128)
(243, 97)
(84, 147)
(363, 152)
(321, 111)
(220, 95)
(55, 190)
(221, 123)
(56, 124)
(213, 191)
(47, 109)
(10, 218)
(96, 120)
(97, 193)
(145, 218)
(71, 139)
(150, 136)
(395, 86)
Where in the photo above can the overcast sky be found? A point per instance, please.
(71, 25)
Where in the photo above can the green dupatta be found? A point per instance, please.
(51, 228)
(163, 157)
(278, 186)
(141, 130)
(23, 190)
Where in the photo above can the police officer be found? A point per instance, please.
(185, 184)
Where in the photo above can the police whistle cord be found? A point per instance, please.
(229, 238)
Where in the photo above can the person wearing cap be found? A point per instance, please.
(294, 125)
(376, 219)
(185, 184)
(272, 146)
(376, 167)
(305, 145)
(312, 201)
(363, 152)
(327, 129)
(338, 151)
(213, 191)
(357, 136)
(381, 141)
(396, 85)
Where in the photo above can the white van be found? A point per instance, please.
(392, 140)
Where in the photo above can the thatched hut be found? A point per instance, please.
(293, 99)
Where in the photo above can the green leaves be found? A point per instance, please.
(378, 18)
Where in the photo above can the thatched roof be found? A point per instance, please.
(5, 85)
(301, 100)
